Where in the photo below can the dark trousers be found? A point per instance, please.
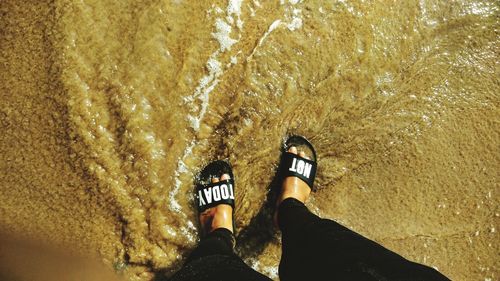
(214, 260)
(313, 249)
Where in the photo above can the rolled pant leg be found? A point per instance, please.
(321, 249)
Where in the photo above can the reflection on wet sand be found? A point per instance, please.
(110, 108)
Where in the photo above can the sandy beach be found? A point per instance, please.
(108, 110)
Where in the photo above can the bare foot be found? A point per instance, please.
(218, 216)
(293, 187)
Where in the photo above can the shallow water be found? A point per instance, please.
(109, 109)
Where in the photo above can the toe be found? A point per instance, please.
(215, 179)
(225, 177)
(292, 149)
(303, 154)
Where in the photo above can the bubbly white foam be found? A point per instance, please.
(222, 35)
(181, 168)
(296, 22)
(234, 7)
(206, 85)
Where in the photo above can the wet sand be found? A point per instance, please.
(108, 109)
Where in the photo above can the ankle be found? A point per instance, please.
(298, 196)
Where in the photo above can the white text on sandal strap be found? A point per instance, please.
(216, 193)
(301, 167)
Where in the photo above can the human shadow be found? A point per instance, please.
(252, 240)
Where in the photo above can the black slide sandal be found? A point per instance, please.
(292, 165)
(261, 231)
(208, 194)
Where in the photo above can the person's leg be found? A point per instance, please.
(321, 249)
(218, 242)
(213, 258)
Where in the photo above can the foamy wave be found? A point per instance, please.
(223, 29)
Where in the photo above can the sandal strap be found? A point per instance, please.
(293, 165)
(214, 194)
